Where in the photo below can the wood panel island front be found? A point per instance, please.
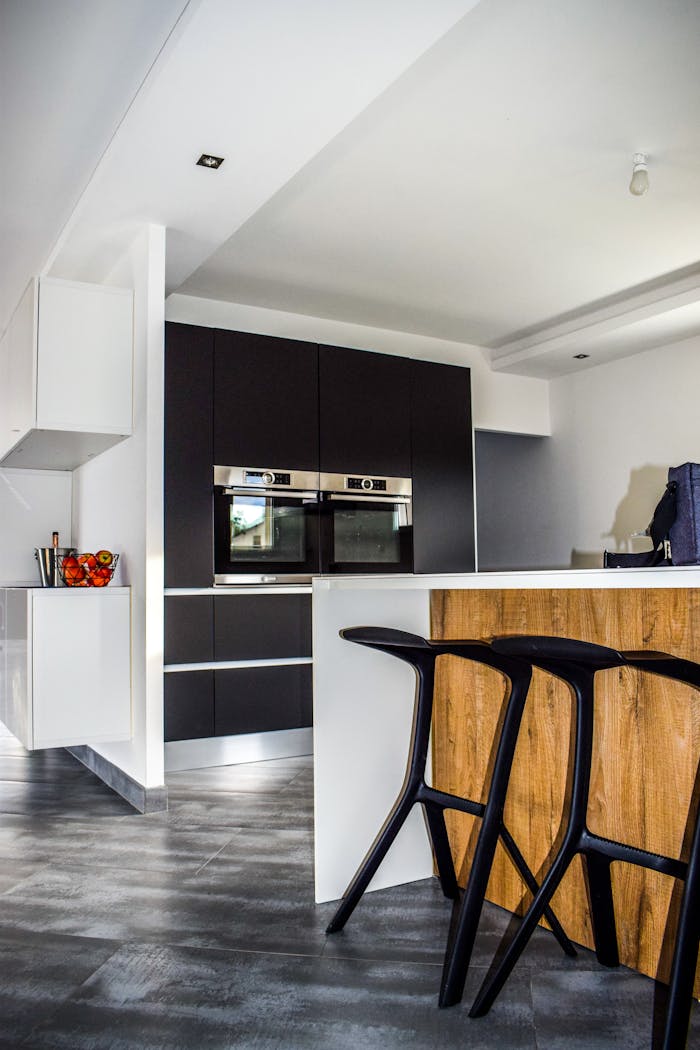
(646, 748)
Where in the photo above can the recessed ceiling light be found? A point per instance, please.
(581, 357)
(207, 160)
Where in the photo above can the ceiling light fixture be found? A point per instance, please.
(207, 160)
(581, 357)
(640, 176)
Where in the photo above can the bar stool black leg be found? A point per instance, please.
(441, 847)
(685, 956)
(491, 987)
(581, 681)
(533, 885)
(461, 946)
(370, 865)
(424, 665)
(602, 909)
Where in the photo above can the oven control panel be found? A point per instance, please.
(267, 477)
(366, 484)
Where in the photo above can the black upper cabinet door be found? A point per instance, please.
(365, 412)
(265, 402)
(443, 485)
(189, 360)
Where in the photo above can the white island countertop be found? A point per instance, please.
(660, 576)
(363, 704)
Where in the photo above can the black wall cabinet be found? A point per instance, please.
(443, 485)
(266, 402)
(365, 424)
(250, 400)
(189, 392)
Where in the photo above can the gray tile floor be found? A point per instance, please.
(197, 929)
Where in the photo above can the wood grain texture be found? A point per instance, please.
(646, 748)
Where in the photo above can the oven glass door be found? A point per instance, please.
(265, 532)
(365, 534)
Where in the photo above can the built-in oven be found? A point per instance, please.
(266, 525)
(366, 524)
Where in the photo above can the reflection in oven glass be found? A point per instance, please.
(366, 536)
(262, 529)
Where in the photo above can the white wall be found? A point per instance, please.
(500, 402)
(118, 505)
(616, 429)
(33, 504)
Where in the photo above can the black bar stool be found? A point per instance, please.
(577, 663)
(421, 655)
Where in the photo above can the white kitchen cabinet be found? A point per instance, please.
(65, 661)
(66, 364)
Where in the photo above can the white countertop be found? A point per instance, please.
(662, 576)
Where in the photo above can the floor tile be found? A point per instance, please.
(239, 910)
(38, 972)
(182, 998)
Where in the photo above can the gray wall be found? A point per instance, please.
(516, 506)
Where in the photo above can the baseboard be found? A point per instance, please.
(231, 750)
(145, 800)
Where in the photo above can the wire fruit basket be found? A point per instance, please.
(88, 570)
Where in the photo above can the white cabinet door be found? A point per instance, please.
(18, 685)
(3, 683)
(67, 367)
(83, 379)
(67, 667)
(80, 667)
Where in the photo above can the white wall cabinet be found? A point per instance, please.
(65, 665)
(66, 374)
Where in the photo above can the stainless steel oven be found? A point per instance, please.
(266, 525)
(366, 524)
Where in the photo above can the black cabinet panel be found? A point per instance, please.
(443, 491)
(189, 704)
(261, 626)
(189, 629)
(189, 355)
(364, 412)
(265, 402)
(260, 699)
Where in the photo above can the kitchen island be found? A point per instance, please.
(646, 754)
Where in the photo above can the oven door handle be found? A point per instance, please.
(310, 497)
(367, 497)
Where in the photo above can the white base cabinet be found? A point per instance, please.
(65, 374)
(65, 665)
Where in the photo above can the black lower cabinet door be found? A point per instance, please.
(189, 704)
(262, 626)
(189, 629)
(262, 699)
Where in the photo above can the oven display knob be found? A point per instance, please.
(366, 484)
(268, 478)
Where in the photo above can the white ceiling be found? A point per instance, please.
(457, 169)
(69, 69)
